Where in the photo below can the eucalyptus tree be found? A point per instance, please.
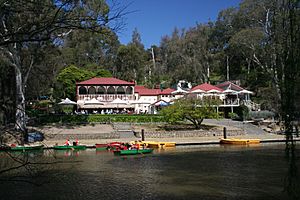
(29, 22)
(89, 49)
(131, 60)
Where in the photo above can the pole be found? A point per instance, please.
(143, 135)
(224, 133)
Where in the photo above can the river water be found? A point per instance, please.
(192, 172)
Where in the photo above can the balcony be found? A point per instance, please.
(231, 102)
(106, 97)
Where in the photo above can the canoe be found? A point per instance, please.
(154, 144)
(101, 147)
(65, 147)
(114, 145)
(239, 141)
(4, 148)
(133, 151)
(27, 148)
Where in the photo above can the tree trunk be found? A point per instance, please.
(20, 102)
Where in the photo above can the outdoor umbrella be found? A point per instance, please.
(67, 101)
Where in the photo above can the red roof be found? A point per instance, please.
(206, 87)
(105, 81)
(229, 85)
(167, 91)
(143, 91)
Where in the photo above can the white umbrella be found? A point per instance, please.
(119, 101)
(141, 101)
(93, 101)
(213, 91)
(228, 91)
(67, 101)
(245, 92)
(178, 91)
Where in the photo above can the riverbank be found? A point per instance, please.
(105, 133)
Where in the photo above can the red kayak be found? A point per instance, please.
(108, 146)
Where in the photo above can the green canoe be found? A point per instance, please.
(101, 147)
(27, 148)
(133, 151)
(71, 147)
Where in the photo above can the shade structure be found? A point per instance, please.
(229, 91)
(214, 91)
(93, 101)
(245, 92)
(141, 101)
(179, 91)
(67, 101)
(118, 101)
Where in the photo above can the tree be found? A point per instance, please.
(191, 109)
(24, 23)
(66, 81)
(89, 48)
(136, 39)
(130, 63)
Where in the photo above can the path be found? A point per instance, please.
(124, 129)
(247, 127)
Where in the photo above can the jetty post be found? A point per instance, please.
(224, 133)
(143, 135)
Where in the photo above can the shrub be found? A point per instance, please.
(265, 114)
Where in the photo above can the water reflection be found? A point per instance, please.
(292, 179)
(204, 172)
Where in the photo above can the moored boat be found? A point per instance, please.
(154, 144)
(239, 141)
(71, 147)
(26, 148)
(114, 145)
(100, 147)
(4, 148)
(133, 151)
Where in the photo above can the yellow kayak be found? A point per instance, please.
(239, 141)
(154, 144)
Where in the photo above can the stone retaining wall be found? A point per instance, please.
(196, 133)
(83, 136)
(160, 134)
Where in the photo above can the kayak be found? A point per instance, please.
(27, 148)
(101, 147)
(133, 151)
(239, 141)
(66, 147)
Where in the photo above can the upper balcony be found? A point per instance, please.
(105, 93)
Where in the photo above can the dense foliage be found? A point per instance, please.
(67, 78)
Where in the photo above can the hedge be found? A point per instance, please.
(98, 118)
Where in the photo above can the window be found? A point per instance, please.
(82, 90)
(111, 90)
(101, 90)
(129, 90)
(92, 90)
(120, 90)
